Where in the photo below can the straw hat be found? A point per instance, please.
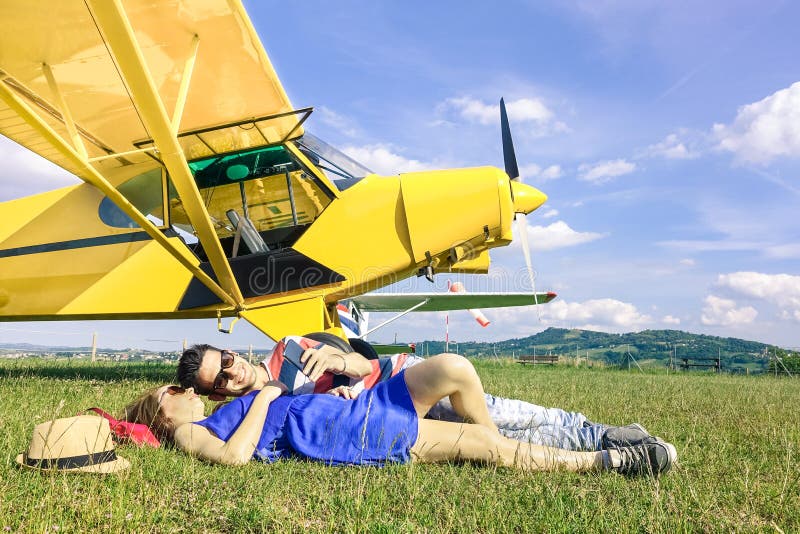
(80, 443)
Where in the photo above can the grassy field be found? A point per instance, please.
(738, 439)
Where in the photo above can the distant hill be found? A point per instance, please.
(38, 348)
(649, 347)
(655, 346)
(33, 347)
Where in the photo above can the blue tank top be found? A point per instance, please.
(272, 445)
(379, 427)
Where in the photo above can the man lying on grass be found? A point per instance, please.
(304, 368)
(384, 424)
(326, 369)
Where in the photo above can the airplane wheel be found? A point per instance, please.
(364, 348)
(332, 340)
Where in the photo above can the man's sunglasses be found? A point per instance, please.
(226, 360)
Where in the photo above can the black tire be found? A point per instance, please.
(332, 340)
(363, 348)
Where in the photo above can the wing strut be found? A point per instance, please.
(183, 91)
(387, 321)
(72, 130)
(118, 34)
(90, 175)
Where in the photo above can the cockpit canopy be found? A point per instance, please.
(259, 199)
(340, 168)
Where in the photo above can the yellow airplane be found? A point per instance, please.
(203, 194)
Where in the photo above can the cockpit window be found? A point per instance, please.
(340, 168)
(232, 168)
(263, 191)
(145, 192)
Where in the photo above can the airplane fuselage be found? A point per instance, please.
(71, 254)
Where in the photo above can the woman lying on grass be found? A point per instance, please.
(383, 425)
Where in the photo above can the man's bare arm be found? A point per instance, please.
(334, 360)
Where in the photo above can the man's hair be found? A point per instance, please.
(189, 366)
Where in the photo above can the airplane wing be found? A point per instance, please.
(232, 79)
(399, 302)
(97, 86)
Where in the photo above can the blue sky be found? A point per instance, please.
(666, 135)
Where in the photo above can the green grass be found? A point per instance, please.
(737, 438)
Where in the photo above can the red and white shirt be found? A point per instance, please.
(280, 368)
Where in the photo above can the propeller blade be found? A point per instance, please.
(522, 230)
(509, 156)
(530, 199)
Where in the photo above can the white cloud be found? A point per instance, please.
(532, 111)
(25, 173)
(522, 110)
(688, 262)
(782, 251)
(550, 173)
(723, 312)
(780, 289)
(669, 319)
(606, 315)
(337, 121)
(672, 147)
(765, 129)
(790, 316)
(604, 171)
(530, 170)
(543, 174)
(382, 160)
(595, 314)
(556, 235)
(762, 229)
(549, 214)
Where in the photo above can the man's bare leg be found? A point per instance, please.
(441, 441)
(453, 376)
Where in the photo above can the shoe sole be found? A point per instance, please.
(671, 452)
(672, 455)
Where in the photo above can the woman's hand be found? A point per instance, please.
(346, 392)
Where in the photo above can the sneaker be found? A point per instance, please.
(650, 458)
(623, 436)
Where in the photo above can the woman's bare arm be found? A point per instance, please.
(238, 450)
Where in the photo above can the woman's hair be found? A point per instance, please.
(145, 410)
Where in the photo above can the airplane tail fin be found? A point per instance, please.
(351, 320)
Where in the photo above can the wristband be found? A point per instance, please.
(344, 365)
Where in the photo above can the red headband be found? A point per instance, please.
(136, 433)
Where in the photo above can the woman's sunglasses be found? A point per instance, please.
(171, 390)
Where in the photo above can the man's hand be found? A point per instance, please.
(345, 392)
(317, 361)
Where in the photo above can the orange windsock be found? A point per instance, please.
(458, 287)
